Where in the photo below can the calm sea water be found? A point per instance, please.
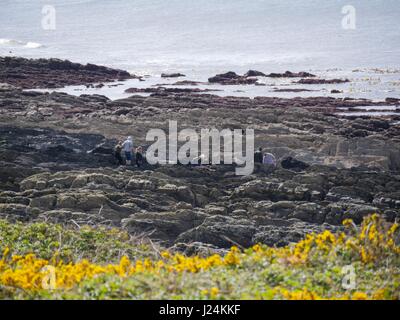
(204, 37)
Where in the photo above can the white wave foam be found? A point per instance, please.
(9, 42)
(33, 45)
(13, 43)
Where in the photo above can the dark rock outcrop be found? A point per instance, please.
(293, 90)
(172, 75)
(54, 73)
(321, 81)
(231, 78)
(293, 164)
(164, 90)
(254, 73)
(289, 74)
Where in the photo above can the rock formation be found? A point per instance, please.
(231, 78)
(172, 75)
(56, 154)
(321, 81)
(289, 74)
(54, 73)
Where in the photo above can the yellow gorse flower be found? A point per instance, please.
(374, 241)
(359, 296)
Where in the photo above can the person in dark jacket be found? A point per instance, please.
(258, 156)
(139, 156)
(117, 152)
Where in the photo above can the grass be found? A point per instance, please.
(98, 245)
(362, 263)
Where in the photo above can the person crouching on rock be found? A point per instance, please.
(128, 150)
(117, 152)
(139, 156)
(269, 160)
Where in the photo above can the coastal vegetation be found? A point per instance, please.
(42, 261)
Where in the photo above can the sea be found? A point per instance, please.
(354, 39)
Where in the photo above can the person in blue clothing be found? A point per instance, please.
(127, 146)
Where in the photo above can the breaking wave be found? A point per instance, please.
(15, 43)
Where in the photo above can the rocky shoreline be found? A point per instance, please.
(57, 163)
(54, 73)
